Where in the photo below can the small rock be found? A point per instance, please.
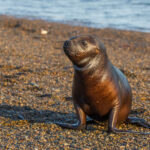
(44, 31)
(66, 144)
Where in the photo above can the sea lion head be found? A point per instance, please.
(84, 50)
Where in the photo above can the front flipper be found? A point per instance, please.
(115, 130)
(113, 121)
(76, 126)
(113, 118)
(81, 116)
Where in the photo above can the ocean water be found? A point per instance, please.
(119, 14)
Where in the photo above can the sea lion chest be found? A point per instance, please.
(94, 96)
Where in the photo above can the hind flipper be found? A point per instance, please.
(139, 122)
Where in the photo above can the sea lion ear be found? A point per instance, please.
(101, 47)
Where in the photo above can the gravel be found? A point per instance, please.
(36, 80)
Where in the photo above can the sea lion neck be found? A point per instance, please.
(92, 65)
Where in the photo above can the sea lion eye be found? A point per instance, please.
(84, 43)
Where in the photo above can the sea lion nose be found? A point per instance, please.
(66, 43)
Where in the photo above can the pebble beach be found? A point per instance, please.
(36, 81)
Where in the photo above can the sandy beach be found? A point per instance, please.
(36, 81)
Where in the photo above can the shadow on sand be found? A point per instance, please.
(32, 115)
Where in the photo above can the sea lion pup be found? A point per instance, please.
(100, 90)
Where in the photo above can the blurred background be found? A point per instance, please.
(119, 14)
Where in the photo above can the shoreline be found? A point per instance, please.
(69, 23)
(36, 80)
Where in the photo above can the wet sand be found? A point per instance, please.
(36, 80)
